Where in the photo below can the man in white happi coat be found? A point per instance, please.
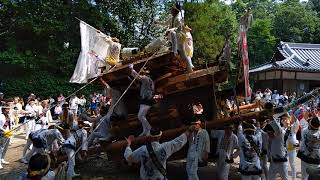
(227, 143)
(264, 153)
(5, 126)
(153, 156)
(45, 140)
(250, 144)
(70, 147)
(31, 112)
(291, 126)
(199, 148)
(309, 151)
(179, 35)
(277, 151)
(146, 98)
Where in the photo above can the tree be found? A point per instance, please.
(294, 23)
(261, 42)
(212, 22)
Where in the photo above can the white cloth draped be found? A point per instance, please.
(88, 64)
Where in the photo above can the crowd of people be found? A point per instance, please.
(266, 146)
(49, 126)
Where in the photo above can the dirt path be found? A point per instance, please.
(97, 168)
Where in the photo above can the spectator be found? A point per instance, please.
(82, 104)
(267, 95)
(275, 97)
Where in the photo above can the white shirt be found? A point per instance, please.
(226, 145)
(74, 103)
(2, 122)
(198, 144)
(267, 96)
(292, 139)
(82, 101)
(163, 151)
(31, 110)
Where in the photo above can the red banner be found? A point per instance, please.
(245, 62)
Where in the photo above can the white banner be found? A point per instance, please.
(94, 49)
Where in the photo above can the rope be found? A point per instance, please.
(115, 104)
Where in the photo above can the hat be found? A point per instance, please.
(154, 132)
(314, 123)
(248, 126)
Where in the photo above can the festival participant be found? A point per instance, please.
(291, 126)
(198, 110)
(199, 148)
(18, 110)
(5, 126)
(275, 97)
(173, 23)
(309, 151)
(102, 132)
(70, 148)
(146, 98)
(31, 115)
(44, 116)
(227, 143)
(74, 105)
(39, 168)
(44, 141)
(153, 156)
(250, 148)
(179, 36)
(277, 150)
(82, 104)
(267, 95)
(263, 155)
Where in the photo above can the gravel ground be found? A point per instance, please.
(99, 168)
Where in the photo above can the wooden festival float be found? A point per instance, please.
(171, 114)
(180, 90)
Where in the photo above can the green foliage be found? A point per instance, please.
(43, 85)
(261, 42)
(33, 33)
(212, 23)
(294, 23)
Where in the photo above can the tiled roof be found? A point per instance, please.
(297, 56)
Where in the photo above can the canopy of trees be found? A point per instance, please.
(33, 57)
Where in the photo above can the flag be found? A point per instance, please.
(94, 49)
(245, 22)
(245, 62)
